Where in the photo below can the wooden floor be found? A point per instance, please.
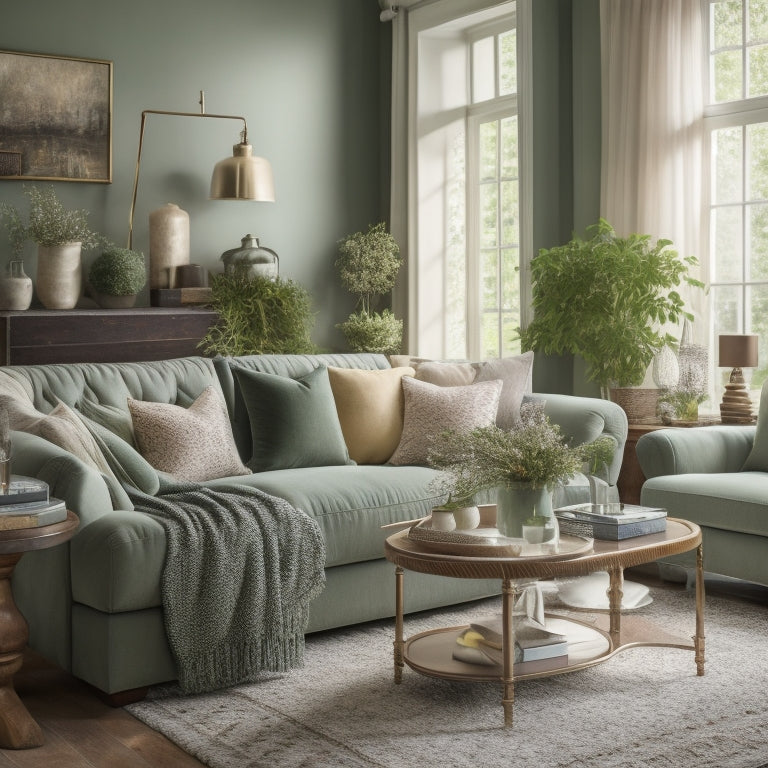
(82, 732)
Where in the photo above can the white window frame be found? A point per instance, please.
(433, 15)
(738, 113)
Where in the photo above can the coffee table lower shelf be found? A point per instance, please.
(431, 652)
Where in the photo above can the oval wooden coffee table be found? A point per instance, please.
(17, 728)
(430, 653)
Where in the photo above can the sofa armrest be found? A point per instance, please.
(584, 419)
(81, 487)
(697, 450)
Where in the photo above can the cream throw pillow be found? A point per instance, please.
(370, 408)
(430, 409)
(516, 372)
(193, 444)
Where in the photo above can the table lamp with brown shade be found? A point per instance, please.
(737, 351)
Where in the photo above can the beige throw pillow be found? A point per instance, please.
(370, 408)
(193, 444)
(516, 372)
(430, 409)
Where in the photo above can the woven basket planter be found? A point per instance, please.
(639, 403)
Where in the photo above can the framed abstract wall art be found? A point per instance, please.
(55, 118)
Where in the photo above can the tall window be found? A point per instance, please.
(467, 144)
(737, 122)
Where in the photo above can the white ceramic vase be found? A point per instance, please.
(59, 275)
(466, 518)
(15, 287)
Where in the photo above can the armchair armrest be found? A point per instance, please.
(584, 419)
(719, 448)
(81, 487)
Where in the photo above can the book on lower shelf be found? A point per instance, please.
(614, 521)
(32, 514)
(481, 642)
(22, 490)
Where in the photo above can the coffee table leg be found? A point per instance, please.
(615, 595)
(399, 641)
(509, 592)
(698, 639)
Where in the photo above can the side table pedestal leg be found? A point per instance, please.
(17, 728)
(508, 593)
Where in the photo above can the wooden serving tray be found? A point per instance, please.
(486, 541)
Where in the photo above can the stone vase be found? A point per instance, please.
(524, 511)
(168, 244)
(59, 275)
(15, 287)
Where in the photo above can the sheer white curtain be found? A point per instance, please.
(652, 129)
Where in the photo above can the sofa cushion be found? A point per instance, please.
(758, 456)
(351, 502)
(731, 501)
(292, 366)
(430, 409)
(63, 427)
(516, 372)
(293, 422)
(193, 443)
(370, 408)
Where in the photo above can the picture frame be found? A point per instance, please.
(57, 116)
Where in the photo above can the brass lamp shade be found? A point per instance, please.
(737, 351)
(243, 177)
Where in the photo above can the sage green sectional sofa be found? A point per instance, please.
(94, 605)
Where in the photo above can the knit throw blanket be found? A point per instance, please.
(241, 569)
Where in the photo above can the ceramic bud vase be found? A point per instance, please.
(59, 275)
(466, 518)
(15, 287)
(525, 512)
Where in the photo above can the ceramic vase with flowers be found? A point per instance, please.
(61, 235)
(523, 465)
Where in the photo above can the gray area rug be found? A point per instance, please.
(643, 708)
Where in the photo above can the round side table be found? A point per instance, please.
(18, 730)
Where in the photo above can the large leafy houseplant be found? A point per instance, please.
(368, 264)
(606, 298)
(259, 315)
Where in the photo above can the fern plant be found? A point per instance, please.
(258, 315)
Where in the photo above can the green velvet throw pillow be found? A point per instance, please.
(294, 422)
(757, 461)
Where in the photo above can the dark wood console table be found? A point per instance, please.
(40, 336)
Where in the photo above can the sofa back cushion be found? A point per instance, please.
(292, 366)
(757, 461)
(293, 421)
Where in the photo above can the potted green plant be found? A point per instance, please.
(523, 464)
(258, 315)
(60, 235)
(605, 298)
(117, 276)
(368, 264)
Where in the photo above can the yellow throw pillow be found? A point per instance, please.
(370, 408)
(193, 444)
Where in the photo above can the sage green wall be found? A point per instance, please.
(306, 75)
(566, 147)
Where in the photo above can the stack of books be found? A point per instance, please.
(481, 642)
(614, 522)
(28, 504)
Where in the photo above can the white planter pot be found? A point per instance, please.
(15, 287)
(59, 275)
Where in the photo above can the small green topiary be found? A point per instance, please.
(118, 272)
